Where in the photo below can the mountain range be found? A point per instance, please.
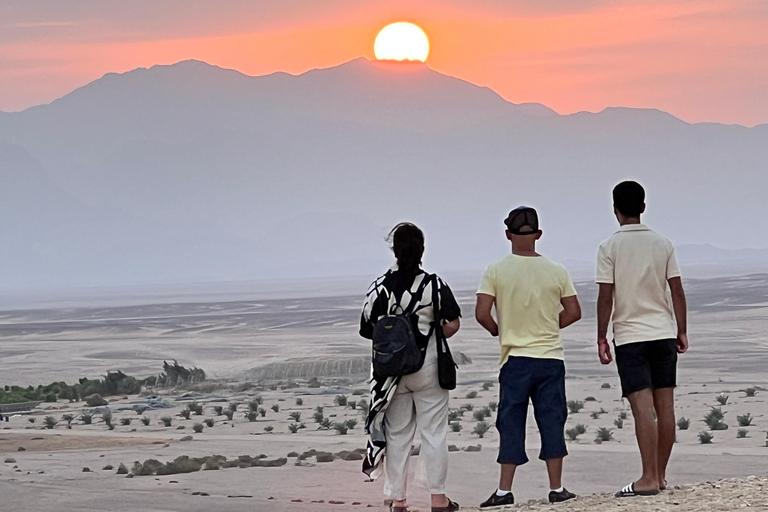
(190, 172)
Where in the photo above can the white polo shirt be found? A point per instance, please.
(638, 262)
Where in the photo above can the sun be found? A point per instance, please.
(401, 41)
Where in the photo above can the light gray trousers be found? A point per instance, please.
(418, 401)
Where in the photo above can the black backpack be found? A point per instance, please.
(395, 351)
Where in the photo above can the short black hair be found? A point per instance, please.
(628, 198)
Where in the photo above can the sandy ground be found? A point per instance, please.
(729, 354)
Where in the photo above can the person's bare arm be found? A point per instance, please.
(451, 328)
(483, 313)
(604, 310)
(571, 312)
(681, 313)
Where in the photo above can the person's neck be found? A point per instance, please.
(525, 251)
(630, 220)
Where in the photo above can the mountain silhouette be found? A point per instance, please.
(191, 172)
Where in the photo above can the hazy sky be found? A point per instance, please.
(701, 60)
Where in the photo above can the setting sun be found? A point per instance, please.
(401, 41)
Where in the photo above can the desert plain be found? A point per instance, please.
(285, 356)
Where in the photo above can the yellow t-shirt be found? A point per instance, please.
(528, 292)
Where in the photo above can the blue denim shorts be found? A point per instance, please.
(542, 381)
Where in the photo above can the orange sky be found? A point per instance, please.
(701, 60)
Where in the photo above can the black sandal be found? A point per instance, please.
(629, 491)
(452, 505)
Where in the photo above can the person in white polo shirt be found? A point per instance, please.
(641, 293)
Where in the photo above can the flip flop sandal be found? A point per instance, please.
(452, 505)
(629, 491)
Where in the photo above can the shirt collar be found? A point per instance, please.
(633, 227)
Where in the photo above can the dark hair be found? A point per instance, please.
(408, 245)
(628, 198)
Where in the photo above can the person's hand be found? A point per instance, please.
(604, 351)
(682, 343)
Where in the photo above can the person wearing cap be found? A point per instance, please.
(642, 292)
(534, 299)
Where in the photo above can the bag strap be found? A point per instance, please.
(439, 337)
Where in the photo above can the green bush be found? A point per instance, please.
(481, 428)
(467, 407)
(197, 427)
(493, 406)
(185, 413)
(705, 438)
(69, 418)
(341, 400)
(325, 424)
(618, 422)
(166, 420)
(233, 406)
(352, 404)
(208, 422)
(745, 420)
(145, 421)
(275, 408)
(251, 415)
(218, 410)
(604, 434)
(471, 395)
(623, 415)
(714, 419)
(294, 427)
(86, 417)
(196, 408)
(742, 433)
(487, 385)
(581, 429)
(455, 426)
(751, 392)
(572, 433)
(50, 422)
(683, 423)
(295, 416)
(351, 423)
(229, 413)
(269, 428)
(299, 401)
(125, 421)
(574, 406)
(722, 399)
(341, 428)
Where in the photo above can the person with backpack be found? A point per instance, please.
(534, 299)
(641, 292)
(408, 314)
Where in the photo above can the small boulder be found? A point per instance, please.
(107, 468)
(453, 448)
(282, 461)
(324, 457)
(292, 454)
(186, 438)
(21, 449)
(122, 470)
(10, 460)
(87, 470)
(473, 448)
(345, 455)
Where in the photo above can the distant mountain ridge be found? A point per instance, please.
(192, 172)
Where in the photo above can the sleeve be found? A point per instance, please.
(672, 269)
(568, 289)
(449, 308)
(488, 282)
(605, 266)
